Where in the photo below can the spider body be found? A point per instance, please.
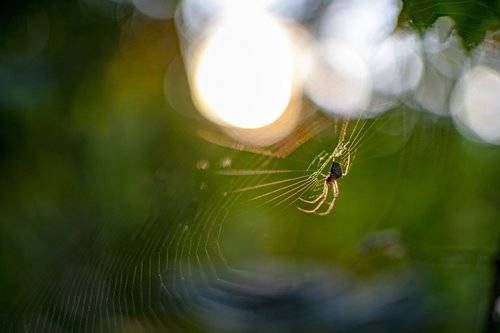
(344, 153)
(335, 172)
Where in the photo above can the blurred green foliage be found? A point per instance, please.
(98, 169)
(472, 18)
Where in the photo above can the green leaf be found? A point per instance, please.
(472, 17)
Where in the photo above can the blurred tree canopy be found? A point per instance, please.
(472, 18)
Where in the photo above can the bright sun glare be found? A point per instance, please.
(244, 72)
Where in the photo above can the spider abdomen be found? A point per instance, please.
(336, 170)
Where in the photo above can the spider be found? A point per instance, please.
(336, 172)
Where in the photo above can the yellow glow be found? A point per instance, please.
(244, 73)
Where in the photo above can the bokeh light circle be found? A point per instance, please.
(475, 104)
(339, 82)
(244, 72)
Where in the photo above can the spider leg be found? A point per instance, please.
(335, 190)
(318, 198)
(350, 158)
(320, 195)
(321, 199)
(347, 164)
(343, 130)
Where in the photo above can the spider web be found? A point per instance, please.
(210, 259)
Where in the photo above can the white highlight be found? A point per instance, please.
(339, 82)
(360, 23)
(194, 16)
(434, 91)
(396, 64)
(476, 104)
(244, 72)
(443, 49)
